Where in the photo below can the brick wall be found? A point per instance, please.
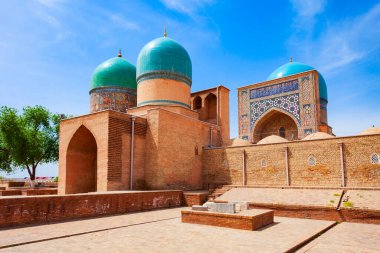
(38, 209)
(111, 166)
(171, 160)
(224, 165)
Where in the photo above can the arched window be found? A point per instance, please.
(282, 132)
(312, 161)
(375, 159)
(197, 103)
(263, 163)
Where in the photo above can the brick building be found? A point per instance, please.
(146, 130)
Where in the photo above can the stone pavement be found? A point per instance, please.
(362, 199)
(158, 231)
(347, 237)
(304, 197)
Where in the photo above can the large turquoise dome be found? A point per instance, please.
(292, 68)
(115, 72)
(164, 58)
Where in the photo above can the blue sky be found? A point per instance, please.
(49, 48)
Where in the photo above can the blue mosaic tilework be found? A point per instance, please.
(274, 89)
(288, 103)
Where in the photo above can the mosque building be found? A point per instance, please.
(146, 130)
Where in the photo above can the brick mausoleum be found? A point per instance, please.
(146, 130)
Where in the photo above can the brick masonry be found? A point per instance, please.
(194, 198)
(323, 213)
(225, 165)
(38, 209)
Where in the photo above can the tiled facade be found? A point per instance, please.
(295, 96)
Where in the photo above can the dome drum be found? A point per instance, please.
(113, 86)
(164, 74)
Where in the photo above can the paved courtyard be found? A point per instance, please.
(162, 231)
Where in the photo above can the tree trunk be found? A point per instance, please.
(32, 176)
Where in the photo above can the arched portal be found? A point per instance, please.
(210, 108)
(81, 162)
(197, 103)
(275, 123)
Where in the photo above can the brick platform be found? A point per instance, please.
(248, 220)
(37, 209)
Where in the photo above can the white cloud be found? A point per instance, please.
(341, 43)
(126, 24)
(308, 8)
(51, 3)
(306, 14)
(188, 7)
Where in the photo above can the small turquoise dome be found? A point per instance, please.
(115, 72)
(292, 68)
(164, 58)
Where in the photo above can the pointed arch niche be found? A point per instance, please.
(81, 162)
(275, 122)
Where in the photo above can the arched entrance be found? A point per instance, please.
(275, 123)
(197, 103)
(81, 162)
(210, 108)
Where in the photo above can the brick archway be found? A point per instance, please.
(81, 162)
(275, 122)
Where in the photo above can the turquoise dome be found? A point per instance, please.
(115, 72)
(164, 58)
(292, 68)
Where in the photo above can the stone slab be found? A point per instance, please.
(199, 208)
(347, 237)
(148, 232)
(220, 207)
(248, 220)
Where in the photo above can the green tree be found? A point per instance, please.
(28, 139)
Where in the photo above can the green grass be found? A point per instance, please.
(332, 201)
(337, 194)
(348, 204)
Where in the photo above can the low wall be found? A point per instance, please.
(323, 213)
(195, 198)
(37, 209)
(10, 192)
(33, 192)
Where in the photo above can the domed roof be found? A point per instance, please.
(272, 139)
(318, 136)
(292, 68)
(115, 72)
(371, 130)
(239, 142)
(164, 58)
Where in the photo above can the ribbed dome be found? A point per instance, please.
(115, 72)
(239, 142)
(371, 130)
(272, 139)
(318, 136)
(292, 68)
(164, 58)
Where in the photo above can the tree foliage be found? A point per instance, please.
(28, 139)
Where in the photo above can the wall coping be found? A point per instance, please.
(284, 144)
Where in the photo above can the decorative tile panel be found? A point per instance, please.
(274, 89)
(288, 103)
